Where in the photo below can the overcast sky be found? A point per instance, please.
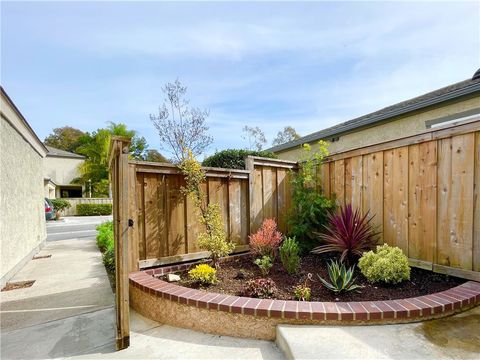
(308, 65)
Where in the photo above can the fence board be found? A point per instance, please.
(372, 196)
(175, 216)
(339, 187)
(422, 201)
(476, 202)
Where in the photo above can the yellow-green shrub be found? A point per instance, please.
(204, 274)
(388, 264)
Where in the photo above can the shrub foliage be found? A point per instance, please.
(266, 240)
(348, 233)
(60, 204)
(214, 239)
(94, 209)
(105, 236)
(310, 207)
(234, 158)
(260, 288)
(388, 264)
(203, 274)
(289, 255)
(265, 263)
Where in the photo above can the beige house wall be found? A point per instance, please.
(400, 127)
(61, 170)
(22, 225)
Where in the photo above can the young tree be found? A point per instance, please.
(255, 136)
(286, 135)
(65, 138)
(180, 126)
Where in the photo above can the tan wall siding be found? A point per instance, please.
(61, 170)
(22, 227)
(402, 127)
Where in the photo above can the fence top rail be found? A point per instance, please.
(458, 128)
(270, 160)
(173, 167)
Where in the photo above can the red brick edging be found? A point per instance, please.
(405, 310)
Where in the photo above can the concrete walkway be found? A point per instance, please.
(69, 311)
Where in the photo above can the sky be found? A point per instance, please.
(269, 64)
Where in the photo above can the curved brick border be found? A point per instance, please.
(283, 311)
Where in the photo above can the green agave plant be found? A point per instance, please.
(341, 278)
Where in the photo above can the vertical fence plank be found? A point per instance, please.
(268, 190)
(476, 202)
(218, 193)
(133, 244)
(152, 193)
(282, 204)
(339, 186)
(139, 187)
(396, 198)
(348, 181)
(256, 206)
(235, 200)
(175, 215)
(356, 165)
(372, 196)
(325, 178)
(422, 201)
(245, 213)
(456, 237)
(193, 224)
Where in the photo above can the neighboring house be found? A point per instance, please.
(22, 224)
(452, 103)
(60, 169)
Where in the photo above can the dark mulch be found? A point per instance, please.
(421, 282)
(18, 285)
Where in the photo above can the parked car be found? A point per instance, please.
(49, 210)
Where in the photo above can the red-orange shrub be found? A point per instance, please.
(266, 240)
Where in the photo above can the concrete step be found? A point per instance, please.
(454, 337)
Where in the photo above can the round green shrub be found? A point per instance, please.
(388, 265)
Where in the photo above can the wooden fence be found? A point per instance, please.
(424, 191)
(72, 211)
(166, 223)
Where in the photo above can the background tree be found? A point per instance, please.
(95, 146)
(180, 126)
(65, 138)
(154, 156)
(255, 136)
(286, 135)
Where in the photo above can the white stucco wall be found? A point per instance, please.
(61, 170)
(22, 223)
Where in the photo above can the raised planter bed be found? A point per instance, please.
(256, 318)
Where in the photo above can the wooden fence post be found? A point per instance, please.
(118, 164)
(249, 165)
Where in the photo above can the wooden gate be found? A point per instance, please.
(118, 164)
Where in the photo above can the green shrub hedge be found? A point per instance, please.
(105, 236)
(234, 158)
(388, 265)
(94, 209)
(60, 204)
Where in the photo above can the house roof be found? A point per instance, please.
(14, 117)
(54, 152)
(446, 93)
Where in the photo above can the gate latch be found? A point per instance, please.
(130, 222)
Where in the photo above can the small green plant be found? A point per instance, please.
(60, 204)
(94, 209)
(289, 255)
(311, 207)
(388, 265)
(260, 288)
(265, 263)
(214, 239)
(341, 278)
(203, 274)
(302, 293)
(108, 258)
(105, 236)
